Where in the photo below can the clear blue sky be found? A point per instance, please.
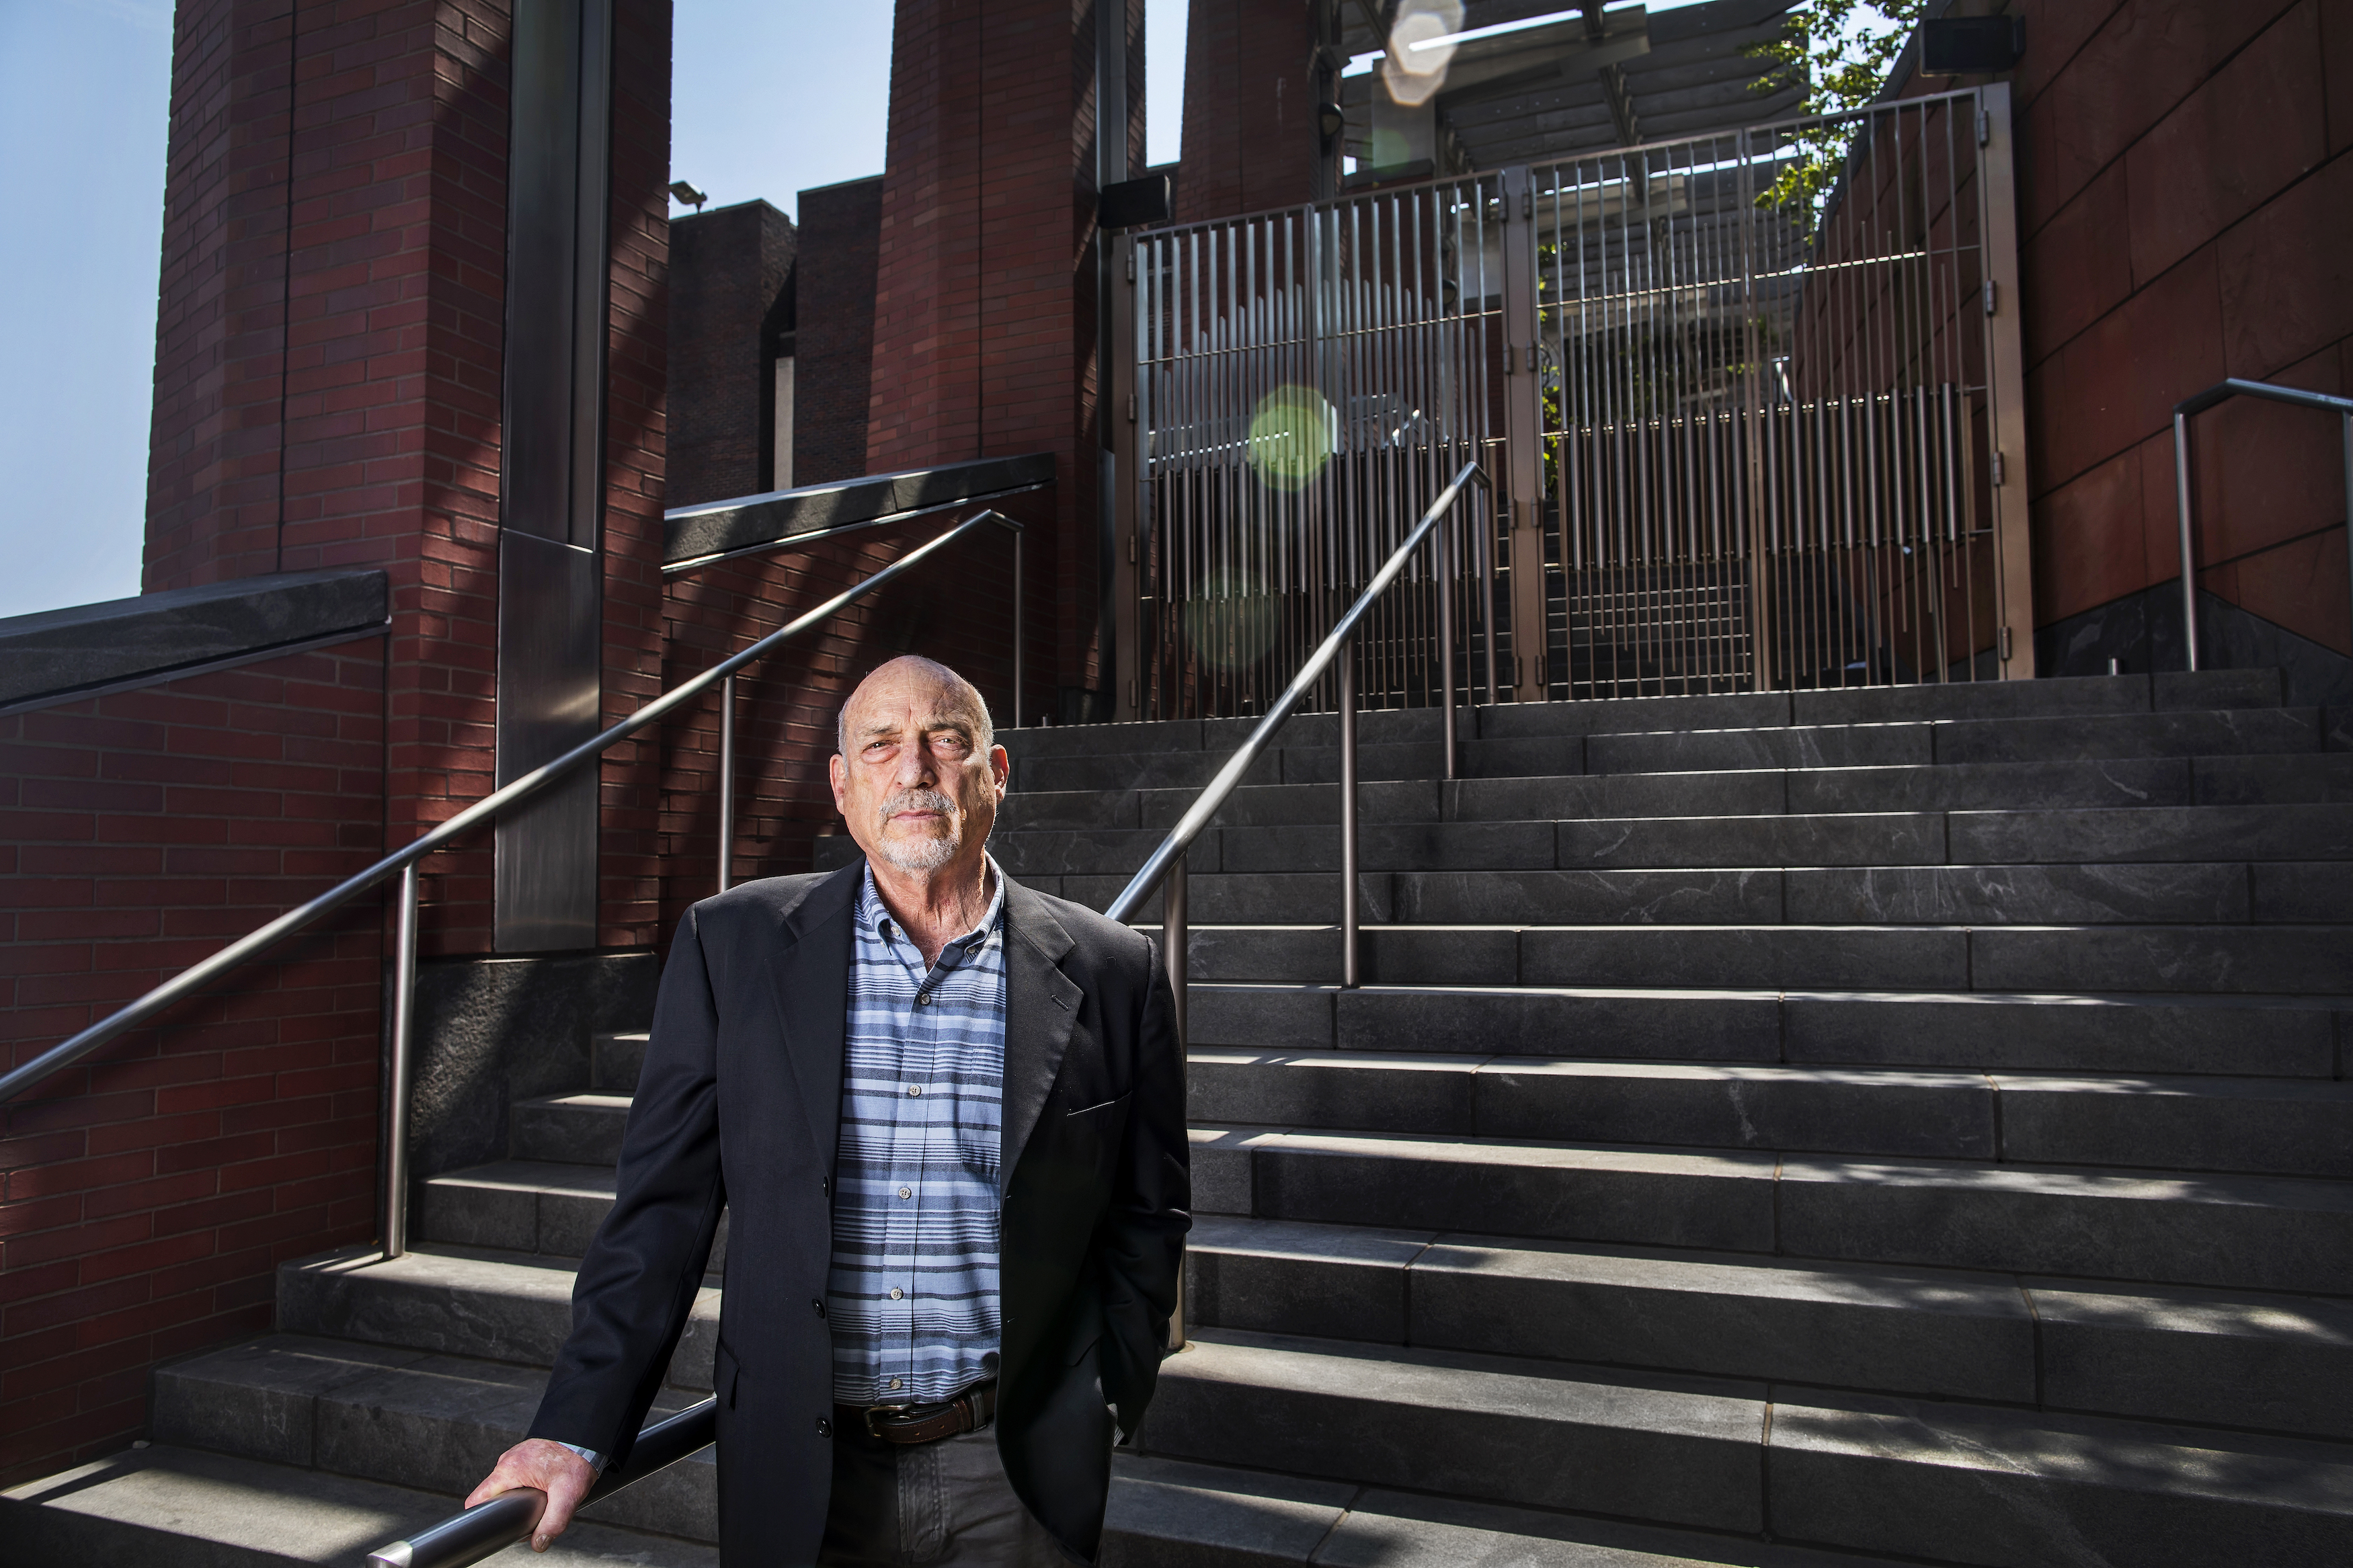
(772, 96)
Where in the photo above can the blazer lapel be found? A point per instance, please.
(811, 980)
(1042, 1008)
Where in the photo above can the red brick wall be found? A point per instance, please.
(1250, 138)
(834, 355)
(2186, 214)
(985, 298)
(147, 1196)
(726, 269)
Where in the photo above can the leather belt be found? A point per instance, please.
(968, 1410)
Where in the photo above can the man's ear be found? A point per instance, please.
(1000, 767)
(837, 771)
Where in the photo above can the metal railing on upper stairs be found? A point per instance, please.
(2222, 391)
(488, 1527)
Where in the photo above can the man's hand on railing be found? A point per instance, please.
(552, 1467)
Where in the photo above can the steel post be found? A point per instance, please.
(726, 780)
(402, 1026)
(1348, 968)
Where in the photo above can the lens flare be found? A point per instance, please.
(1419, 50)
(1292, 434)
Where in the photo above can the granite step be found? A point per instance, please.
(1930, 1479)
(408, 1419)
(2244, 1360)
(2313, 960)
(164, 1506)
(2257, 1126)
(2258, 1037)
(489, 1305)
(2161, 780)
(2190, 732)
(514, 1205)
(1173, 1513)
(2231, 1232)
(1934, 838)
(2124, 894)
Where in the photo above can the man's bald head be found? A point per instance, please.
(958, 695)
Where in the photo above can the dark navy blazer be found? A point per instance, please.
(738, 1110)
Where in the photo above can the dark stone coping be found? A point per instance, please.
(92, 648)
(748, 522)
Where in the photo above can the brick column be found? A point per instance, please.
(329, 352)
(984, 297)
(1251, 137)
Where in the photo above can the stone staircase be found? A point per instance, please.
(1840, 1128)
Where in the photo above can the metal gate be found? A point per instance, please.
(1753, 400)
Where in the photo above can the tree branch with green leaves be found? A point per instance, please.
(1838, 53)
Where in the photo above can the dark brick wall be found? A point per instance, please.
(1250, 139)
(841, 227)
(729, 273)
(2186, 213)
(148, 1195)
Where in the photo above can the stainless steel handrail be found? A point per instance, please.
(403, 862)
(2222, 391)
(495, 1525)
(1168, 859)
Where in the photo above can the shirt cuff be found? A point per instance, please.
(595, 1460)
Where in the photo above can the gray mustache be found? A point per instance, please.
(917, 800)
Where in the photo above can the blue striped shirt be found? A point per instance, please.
(913, 1292)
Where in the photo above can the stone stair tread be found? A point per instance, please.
(1166, 1513)
(471, 1302)
(433, 1422)
(165, 1504)
(532, 1177)
(2299, 1127)
(1850, 1472)
(2259, 1232)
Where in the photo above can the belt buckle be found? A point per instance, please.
(874, 1411)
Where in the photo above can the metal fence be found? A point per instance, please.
(1753, 393)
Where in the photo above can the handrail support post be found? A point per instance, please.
(727, 781)
(2182, 513)
(1349, 973)
(1174, 957)
(403, 1027)
(1017, 630)
(1446, 636)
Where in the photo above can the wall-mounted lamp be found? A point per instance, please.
(686, 193)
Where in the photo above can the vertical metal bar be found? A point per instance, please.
(2181, 514)
(1446, 631)
(1349, 973)
(1173, 956)
(1138, 674)
(2006, 389)
(727, 780)
(2345, 426)
(396, 1089)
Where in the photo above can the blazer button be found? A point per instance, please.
(824, 1427)
(817, 1303)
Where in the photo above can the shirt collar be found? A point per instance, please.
(872, 911)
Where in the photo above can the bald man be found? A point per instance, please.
(943, 1116)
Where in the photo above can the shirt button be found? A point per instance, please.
(922, 998)
(914, 1089)
(906, 1192)
(894, 1382)
(896, 1292)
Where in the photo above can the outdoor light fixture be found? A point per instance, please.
(1971, 46)
(686, 193)
(1332, 118)
(1131, 204)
